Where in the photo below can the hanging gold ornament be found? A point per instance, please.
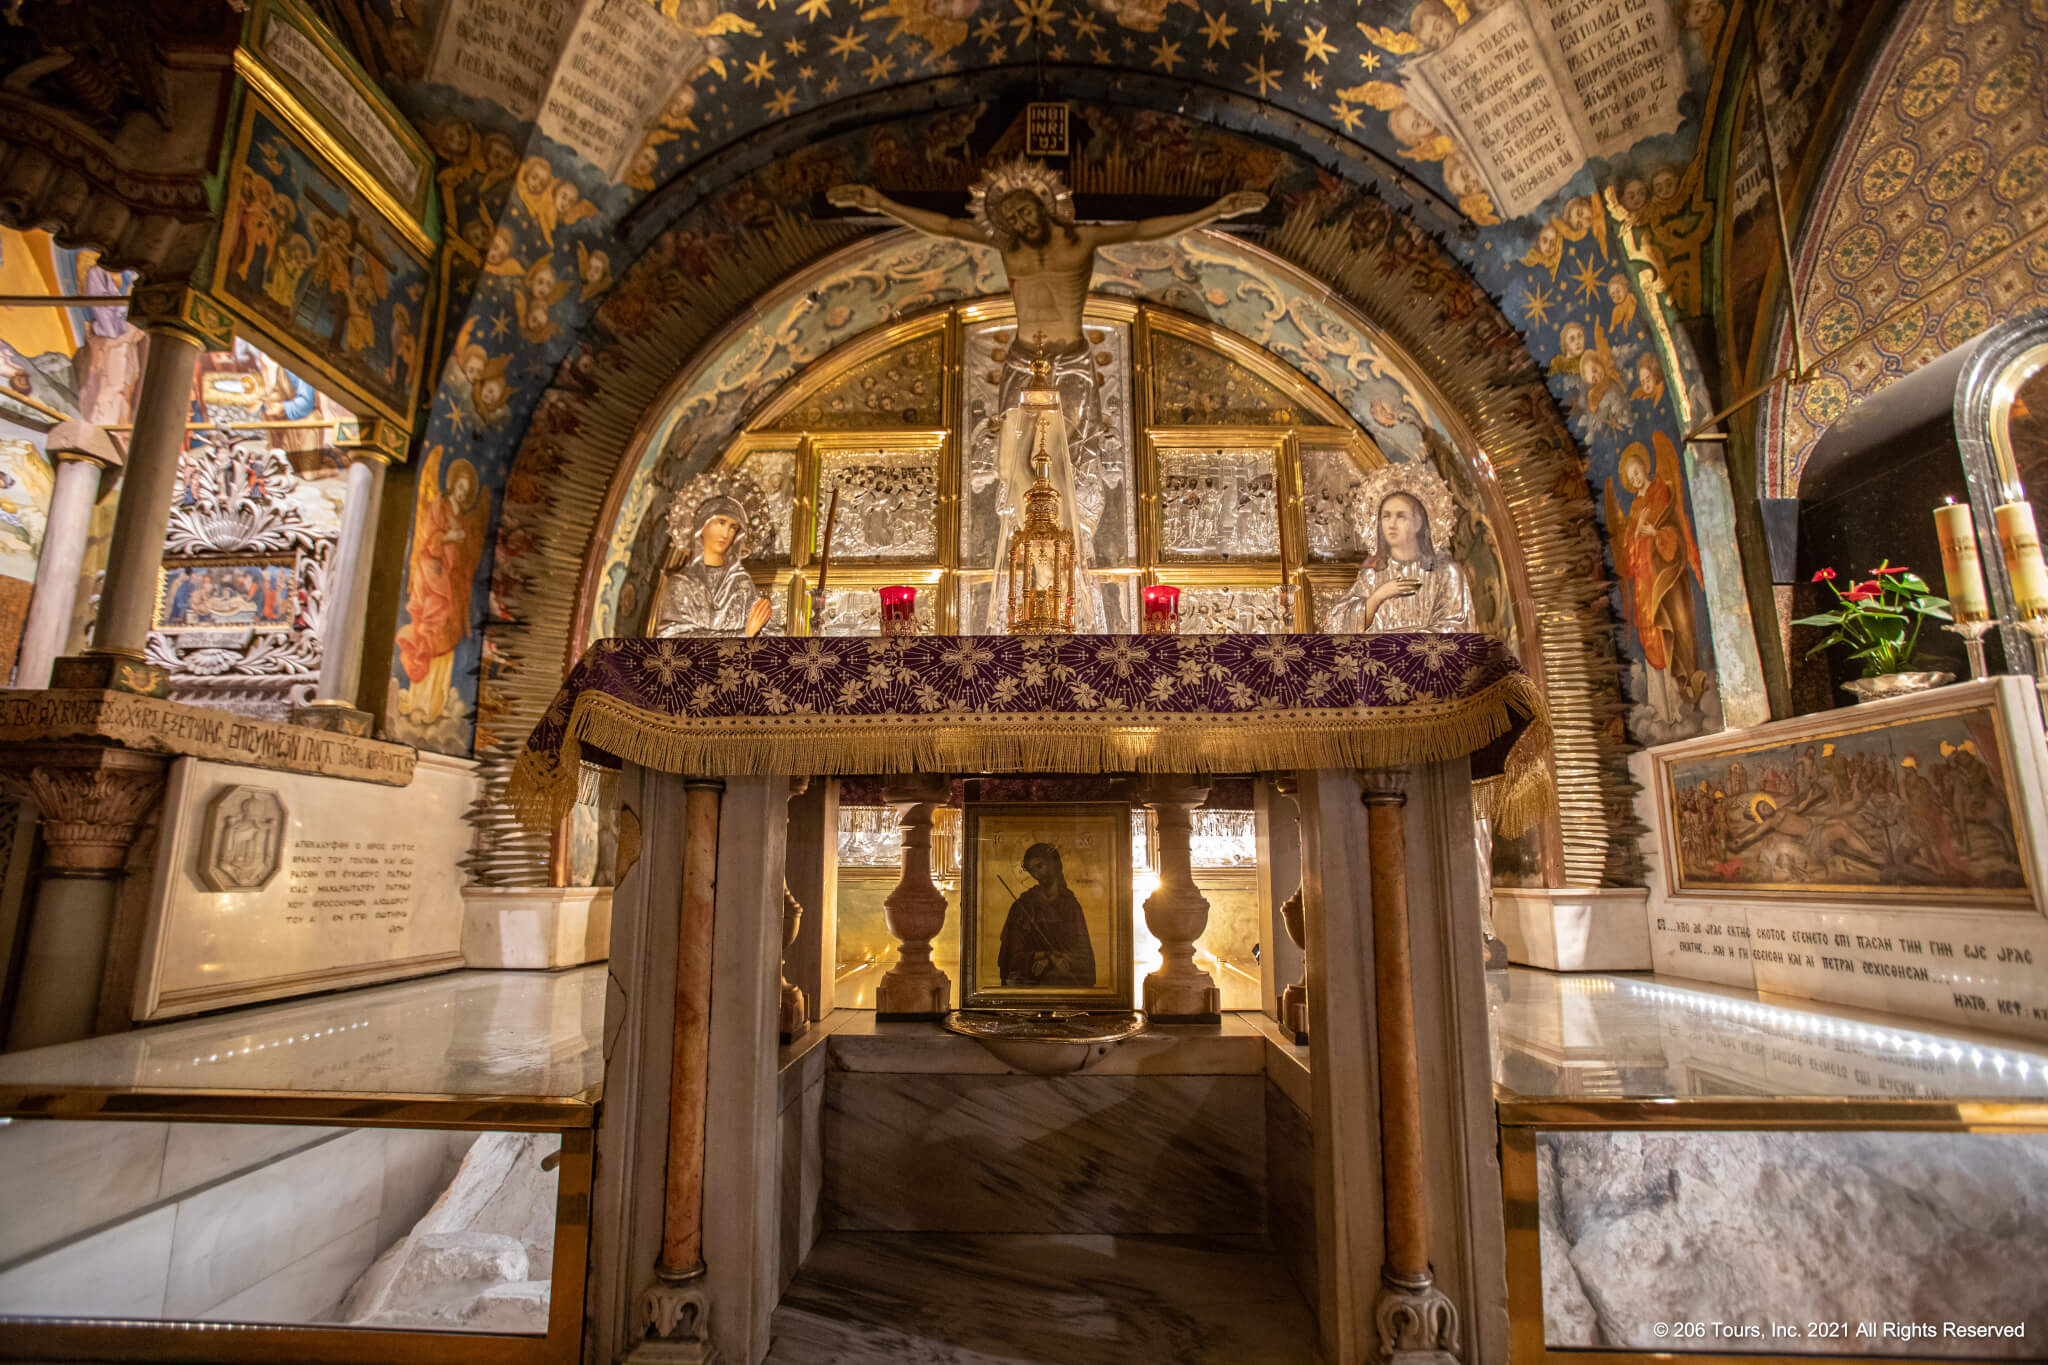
(1042, 548)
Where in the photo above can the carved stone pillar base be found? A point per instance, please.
(678, 1327)
(915, 912)
(1417, 1324)
(110, 673)
(1178, 913)
(338, 717)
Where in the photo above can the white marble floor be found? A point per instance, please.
(952, 1299)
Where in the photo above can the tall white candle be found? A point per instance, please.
(2021, 542)
(1960, 564)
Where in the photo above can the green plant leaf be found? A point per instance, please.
(1826, 618)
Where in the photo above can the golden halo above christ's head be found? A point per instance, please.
(1006, 178)
(1419, 482)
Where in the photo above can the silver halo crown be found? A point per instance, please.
(1007, 177)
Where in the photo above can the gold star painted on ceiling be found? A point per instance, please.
(793, 46)
(768, 5)
(831, 86)
(849, 43)
(1587, 278)
(989, 30)
(500, 325)
(1536, 306)
(1033, 16)
(1209, 65)
(1268, 5)
(759, 71)
(1129, 44)
(1085, 25)
(1219, 30)
(1345, 115)
(1268, 34)
(1265, 81)
(1101, 53)
(997, 52)
(814, 10)
(784, 101)
(1315, 46)
(1369, 60)
(1165, 55)
(880, 66)
(1058, 52)
(1312, 78)
(804, 73)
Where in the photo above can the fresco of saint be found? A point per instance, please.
(447, 542)
(1658, 562)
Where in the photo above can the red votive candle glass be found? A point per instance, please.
(1162, 610)
(899, 610)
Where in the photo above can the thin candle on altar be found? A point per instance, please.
(1162, 610)
(899, 610)
(2021, 543)
(825, 558)
(1960, 564)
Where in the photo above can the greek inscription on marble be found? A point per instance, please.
(350, 881)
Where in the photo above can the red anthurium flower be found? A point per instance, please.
(1891, 569)
(1862, 592)
(1823, 575)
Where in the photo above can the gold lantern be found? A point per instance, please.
(1042, 555)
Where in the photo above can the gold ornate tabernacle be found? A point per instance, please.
(1042, 549)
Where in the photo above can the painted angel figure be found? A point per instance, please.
(1407, 583)
(1658, 561)
(711, 592)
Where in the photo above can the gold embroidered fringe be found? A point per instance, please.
(1516, 800)
(544, 787)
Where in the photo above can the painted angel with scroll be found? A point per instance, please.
(447, 542)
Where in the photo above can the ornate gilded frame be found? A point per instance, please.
(1114, 818)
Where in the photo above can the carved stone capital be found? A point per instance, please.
(92, 801)
(1384, 786)
(1417, 1324)
(678, 1319)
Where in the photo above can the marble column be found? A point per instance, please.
(915, 911)
(1415, 1321)
(135, 557)
(682, 1226)
(82, 454)
(93, 802)
(348, 587)
(1177, 913)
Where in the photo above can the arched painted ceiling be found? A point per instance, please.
(584, 146)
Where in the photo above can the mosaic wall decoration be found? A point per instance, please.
(1923, 231)
(536, 170)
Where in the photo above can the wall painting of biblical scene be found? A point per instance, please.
(309, 264)
(1920, 808)
(213, 594)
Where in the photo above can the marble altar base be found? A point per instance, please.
(535, 928)
(1574, 929)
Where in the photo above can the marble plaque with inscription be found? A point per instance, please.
(368, 887)
(1968, 947)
